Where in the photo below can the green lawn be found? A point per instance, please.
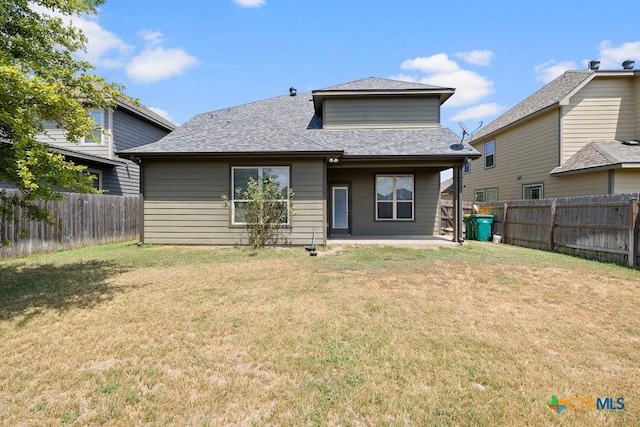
(483, 334)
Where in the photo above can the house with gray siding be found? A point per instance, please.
(576, 136)
(363, 159)
(127, 126)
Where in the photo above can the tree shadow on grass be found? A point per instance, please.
(26, 291)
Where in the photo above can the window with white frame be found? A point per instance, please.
(489, 154)
(486, 195)
(243, 175)
(394, 197)
(101, 125)
(467, 166)
(532, 191)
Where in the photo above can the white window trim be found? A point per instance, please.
(531, 186)
(486, 195)
(475, 194)
(466, 169)
(394, 200)
(105, 134)
(492, 155)
(233, 195)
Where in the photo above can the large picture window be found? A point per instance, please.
(242, 176)
(394, 197)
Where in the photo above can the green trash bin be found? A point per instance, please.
(483, 226)
(469, 228)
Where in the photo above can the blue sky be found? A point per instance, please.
(186, 57)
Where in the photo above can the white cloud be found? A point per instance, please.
(100, 42)
(478, 112)
(249, 3)
(549, 70)
(440, 70)
(437, 64)
(106, 49)
(152, 38)
(163, 113)
(404, 77)
(611, 57)
(476, 57)
(157, 63)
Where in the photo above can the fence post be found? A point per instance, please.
(552, 223)
(504, 223)
(633, 231)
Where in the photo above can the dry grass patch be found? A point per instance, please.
(478, 335)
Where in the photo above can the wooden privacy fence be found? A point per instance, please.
(80, 220)
(446, 214)
(596, 227)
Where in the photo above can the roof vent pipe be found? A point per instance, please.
(293, 91)
(594, 65)
(628, 64)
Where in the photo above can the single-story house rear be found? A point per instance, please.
(363, 159)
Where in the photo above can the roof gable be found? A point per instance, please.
(145, 113)
(548, 96)
(600, 154)
(375, 87)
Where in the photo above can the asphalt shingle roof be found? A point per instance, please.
(378, 84)
(598, 154)
(288, 124)
(547, 96)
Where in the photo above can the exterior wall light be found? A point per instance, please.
(333, 160)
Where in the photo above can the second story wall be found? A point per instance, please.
(604, 109)
(57, 137)
(636, 84)
(382, 112)
(129, 131)
(523, 155)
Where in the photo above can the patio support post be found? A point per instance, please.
(457, 204)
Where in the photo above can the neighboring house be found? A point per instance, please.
(575, 136)
(127, 126)
(446, 189)
(363, 158)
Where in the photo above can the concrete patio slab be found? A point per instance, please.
(398, 241)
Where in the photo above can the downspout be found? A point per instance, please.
(457, 204)
(138, 161)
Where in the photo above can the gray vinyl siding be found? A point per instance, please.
(363, 201)
(388, 112)
(604, 109)
(123, 131)
(58, 137)
(183, 202)
(523, 155)
(129, 131)
(626, 181)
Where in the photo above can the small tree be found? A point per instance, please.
(265, 210)
(42, 80)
